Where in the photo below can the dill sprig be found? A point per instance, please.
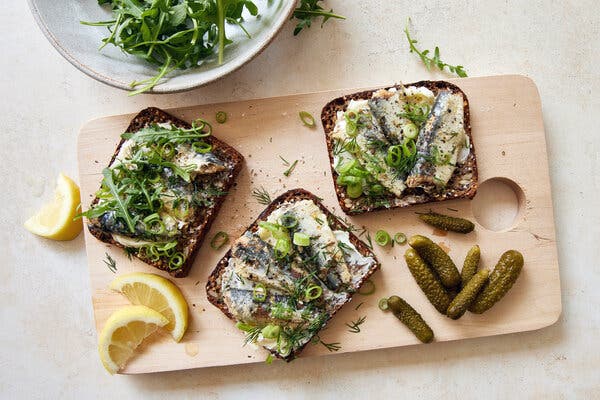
(333, 346)
(415, 113)
(435, 60)
(110, 263)
(262, 196)
(355, 325)
(308, 10)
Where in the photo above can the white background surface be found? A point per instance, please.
(47, 339)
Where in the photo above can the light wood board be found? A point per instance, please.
(508, 133)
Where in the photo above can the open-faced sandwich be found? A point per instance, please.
(162, 189)
(289, 273)
(407, 144)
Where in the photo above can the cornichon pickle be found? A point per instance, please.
(437, 258)
(447, 222)
(411, 318)
(467, 295)
(470, 265)
(427, 281)
(501, 280)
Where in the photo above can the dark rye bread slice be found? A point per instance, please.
(213, 286)
(456, 188)
(197, 229)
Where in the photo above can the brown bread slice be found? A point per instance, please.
(213, 286)
(462, 185)
(197, 229)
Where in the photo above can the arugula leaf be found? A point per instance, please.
(309, 10)
(435, 60)
(108, 181)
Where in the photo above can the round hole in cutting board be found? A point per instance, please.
(497, 204)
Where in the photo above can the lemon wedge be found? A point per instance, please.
(123, 332)
(56, 219)
(159, 294)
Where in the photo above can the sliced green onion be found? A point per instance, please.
(367, 288)
(288, 221)
(154, 224)
(301, 239)
(221, 117)
(244, 327)
(344, 168)
(400, 238)
(154, 177)
(352, 146)
(278, 231)
(410, 131)
(181, 209)
(376, 189)
(349, 180)
(219, 240)
(271, 331)
(282, 248)
(201, 147)
(382, 238)
(351, 128)
(259, 293)
(354, 190)
(176, 261)
(152, 253)
(313, 292)
(409, 148)
(383, 304)
(167, 150)
(352, 116)
(307, 119)
(393, 157)
(357, 171)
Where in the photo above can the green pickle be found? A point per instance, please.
(470, 265)
(501, 280)
(427, 281)
(447, 223)
(467, 295)
(435, 256)
(411, 318)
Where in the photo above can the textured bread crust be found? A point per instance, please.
(197, 229)
(213, 286)
(411, 196)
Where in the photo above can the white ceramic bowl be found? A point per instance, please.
(59, 20)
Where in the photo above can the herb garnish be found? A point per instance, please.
(417, 114)
(309, 10)
(110, 263)
(355, 325)
(172, 34)
(334, 346)
(262, 196)
(435, 60)
(291, 166)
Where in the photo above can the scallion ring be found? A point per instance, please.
(259, 293)
(167, 150)
(301, 239)
(282, 248)
(181, 209)
(354, 190)
(410, 131)
(376, 189)
(313, 292)
(307, 119)
(288, 221)
(176, 261)
(154, 177)
(383, 304)
(367, 288)
(154, 224)
(349, 180)
(351, 128)
(219, 240)
(382, 238)
(347, 166)
(400, 238)
(199, 125)
(221, 117)
(201, 147)
(352, 116)
(393, 157)
(409, 148)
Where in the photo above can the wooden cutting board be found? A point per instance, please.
(508, 133)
